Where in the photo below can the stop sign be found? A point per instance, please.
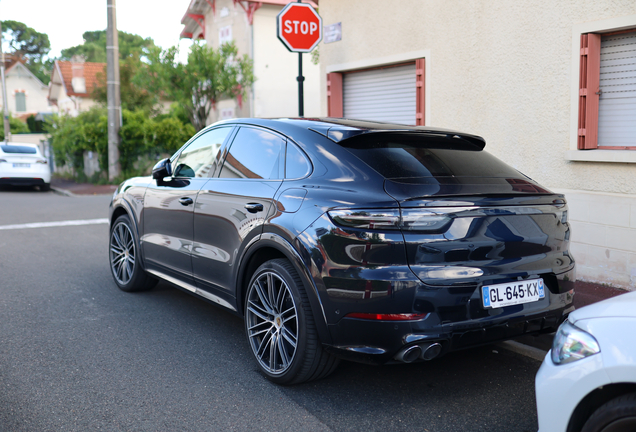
(299, 27)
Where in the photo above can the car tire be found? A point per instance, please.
(280, 327)
(124, 258)
(617, 415)
(45, 187)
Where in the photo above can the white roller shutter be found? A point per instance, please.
(617, 103)
(381, 94)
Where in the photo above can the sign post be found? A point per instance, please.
(299, 28)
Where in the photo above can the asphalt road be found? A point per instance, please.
(78, 354)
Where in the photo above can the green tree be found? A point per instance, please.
(208, 76)
(143, 139)
(16, 126)
(30, 46)
(133, 97)
(94, 47)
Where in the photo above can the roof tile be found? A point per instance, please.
(90, 76)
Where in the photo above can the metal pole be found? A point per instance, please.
(113, 92)
(301, 78)
(5, 101)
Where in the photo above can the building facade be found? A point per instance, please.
(26, 94)
(551, 86)
(251, 25)
(72, 83)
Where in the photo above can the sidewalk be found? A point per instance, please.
(69, 187)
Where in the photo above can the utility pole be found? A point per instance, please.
(113, 92)
(5, 102)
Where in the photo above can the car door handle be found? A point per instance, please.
(186, 201)
(254, 207)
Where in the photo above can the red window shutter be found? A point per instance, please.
(589, 85)
(420, 101)
(334, 95)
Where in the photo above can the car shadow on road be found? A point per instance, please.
(481, 389)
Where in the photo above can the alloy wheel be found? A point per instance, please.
(272, 322)
(122, 253)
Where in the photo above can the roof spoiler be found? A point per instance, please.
(352, 137)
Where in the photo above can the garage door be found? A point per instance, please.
(387, 94)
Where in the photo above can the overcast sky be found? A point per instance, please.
(64, 21)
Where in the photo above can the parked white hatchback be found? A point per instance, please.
(23, 165)
(587, 382)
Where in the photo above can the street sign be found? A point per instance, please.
(333, 33)
(299, 27)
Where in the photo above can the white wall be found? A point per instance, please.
(276, 69)
(18, 78)
(603, 236)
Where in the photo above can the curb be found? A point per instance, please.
(63, 192)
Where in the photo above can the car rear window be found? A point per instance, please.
(397, 158)
(17, 149)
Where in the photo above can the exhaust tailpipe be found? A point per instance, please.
(409, 354)
(431, 351)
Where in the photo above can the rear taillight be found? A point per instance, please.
(391, 219)
(379, 219)
(2, 160)
(42, 161)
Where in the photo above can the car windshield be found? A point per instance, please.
(394, 158)
(7, 148)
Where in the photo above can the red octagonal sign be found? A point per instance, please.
(299, 27)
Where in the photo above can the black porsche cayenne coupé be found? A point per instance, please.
(348, 239)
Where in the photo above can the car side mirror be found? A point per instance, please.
(162, 169)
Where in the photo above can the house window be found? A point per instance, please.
(607, 91)
(225, 35)
(392, 93)
(20, 101)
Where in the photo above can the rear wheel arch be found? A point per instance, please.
(269, 247)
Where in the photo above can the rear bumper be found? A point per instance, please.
(378, 342)
(23, 181)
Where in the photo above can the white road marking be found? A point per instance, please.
(55, 224)
(523, 349)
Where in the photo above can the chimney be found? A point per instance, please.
(78, 81)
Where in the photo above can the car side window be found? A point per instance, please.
(254, 154)
(197, 159)
(296, 164)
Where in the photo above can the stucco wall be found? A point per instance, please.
(498, 69)
(508, 71)
(276, 69)
(603, 236)
(275, 90)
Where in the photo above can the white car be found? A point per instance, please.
(587, 382)
(23, 165)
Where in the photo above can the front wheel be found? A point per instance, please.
(123, 253)
(617, 415)
(280, 327)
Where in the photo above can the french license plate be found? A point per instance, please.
(512, 293)
(21, 165)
